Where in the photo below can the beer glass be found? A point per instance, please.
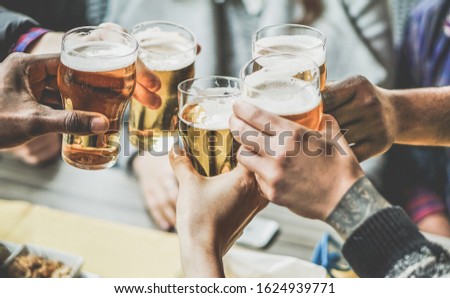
(169, 51)
(286, 85)
(205, 108)
(97, 74)
(295, 40)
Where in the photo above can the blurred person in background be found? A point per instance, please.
(419, 177)
(37, 27)
(416, 178)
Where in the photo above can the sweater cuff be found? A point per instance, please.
(385, 238)
(25, 40)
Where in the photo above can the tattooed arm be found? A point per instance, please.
(360, 202)
(381, 240)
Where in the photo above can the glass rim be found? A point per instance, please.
(204, 78)
(92, 28)
(147, 23)
(322, 45)
(242, 74)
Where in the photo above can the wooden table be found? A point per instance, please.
(114, 195)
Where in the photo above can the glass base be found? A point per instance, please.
(89, 167)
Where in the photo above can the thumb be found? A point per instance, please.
(73, 122)
(181, 164)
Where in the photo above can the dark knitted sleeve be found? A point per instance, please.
(388, 244)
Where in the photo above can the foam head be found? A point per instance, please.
(97, 56)
(292, 44)
(279, 91)
(165, 50)
(211, 109)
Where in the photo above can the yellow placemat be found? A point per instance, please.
(109, 249)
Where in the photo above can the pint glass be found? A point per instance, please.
(295, 40)
(97, 74)
(169, 51)
(205, 108)
(286, 85)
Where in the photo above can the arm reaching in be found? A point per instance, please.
(211, 214)
(380, 239)
(376, 118)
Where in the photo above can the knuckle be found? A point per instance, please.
(74, 123)
(361, 80)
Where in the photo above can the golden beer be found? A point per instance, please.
(203, 125)
(295, 40)
(285, 85)
(169, 51)
(96, 76)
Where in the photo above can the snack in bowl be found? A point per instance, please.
(32, 266)
(4, 254)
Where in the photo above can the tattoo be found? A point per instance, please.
(360, 202)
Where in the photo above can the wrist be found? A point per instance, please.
(200, 259)
(48, 43)
(401, 116)
(359, 203)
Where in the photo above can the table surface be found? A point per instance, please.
(114, 195)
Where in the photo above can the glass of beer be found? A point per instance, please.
(169, 51)
(286, 85)
(97, 74)
(295, 40)
(205, 108)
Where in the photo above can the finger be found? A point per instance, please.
(49, 63)
(147, 78)
(363, 151)
(51, 98)
(169, 215)
(263, 121)
(199, 49)
(147, 98)
(248, 136)
(72, 122)
(159, 218)
(52, 83)
(346, 113)
(171, 188)
(264, 188)
(355, 133)
(253, 162)
(337, 94)
(182, 165)
(43, 155)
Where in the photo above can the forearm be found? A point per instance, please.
(360, 202)
(423, 116)
(200, 261)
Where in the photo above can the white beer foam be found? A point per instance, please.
(280, 93)
(213, 113)
(292, 44)
(98, 56)
(164, 50)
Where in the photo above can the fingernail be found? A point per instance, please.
(99, 125)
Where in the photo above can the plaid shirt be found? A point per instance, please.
(425, 62)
